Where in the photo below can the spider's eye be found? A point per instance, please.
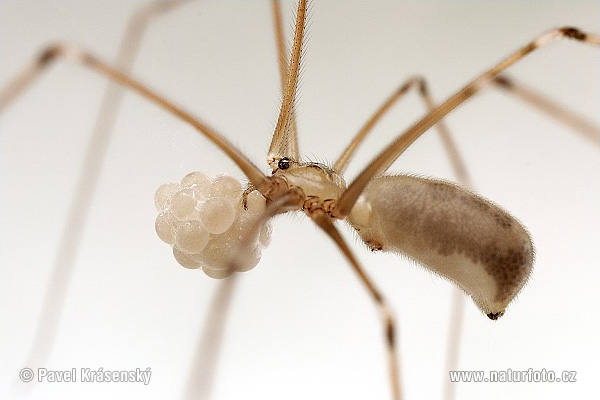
(284, 163)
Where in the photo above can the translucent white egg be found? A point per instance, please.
(217, 273)
(163, 195)
(196, 178)
(217, 253)
(204, 219)
(246, 227)
(248, 259)
(266, 233)
(201, 192)
(191, 237)
(171, 219)
(183, 204)
(184, 260)
(164, 229)
(225, 186)
(255, 203)
(216, 214)
(221, 249)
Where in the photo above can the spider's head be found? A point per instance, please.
(315, 179)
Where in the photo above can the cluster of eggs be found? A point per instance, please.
(204, 220)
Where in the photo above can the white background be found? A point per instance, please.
(301, 326)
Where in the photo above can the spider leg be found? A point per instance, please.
(292, 136)
(290, 201)
(281, 143)
(201, 372)
(587, 129)
(210, 339)
(201, 375)
(396, 148)
(63, 265)
(320, 217)
(80, 56)
(418, 83)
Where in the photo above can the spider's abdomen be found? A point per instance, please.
(451, 231)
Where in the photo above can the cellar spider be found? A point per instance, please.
(145, 314)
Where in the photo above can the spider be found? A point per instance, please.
(118, 272)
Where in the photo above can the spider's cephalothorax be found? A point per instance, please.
(315, 179)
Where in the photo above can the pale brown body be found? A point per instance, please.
(451, 231)
(444, 227)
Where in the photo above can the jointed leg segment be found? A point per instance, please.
(324, 221)
(585, 128)
(76, 219)
(291, 143)
(394, 150)
(491, 78)
(420, 85)
(73, 53)
(281, 143)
